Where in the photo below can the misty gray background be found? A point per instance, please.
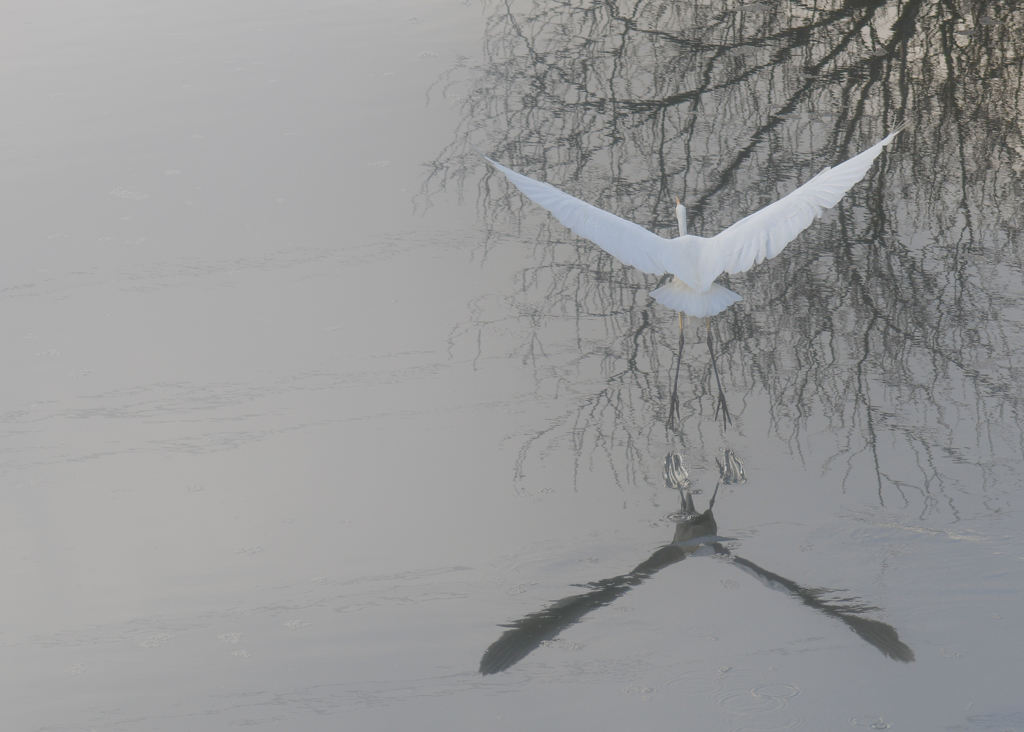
(301, 403)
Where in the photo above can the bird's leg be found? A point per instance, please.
(721, 406)
(673, 405)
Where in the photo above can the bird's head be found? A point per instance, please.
(681, 217)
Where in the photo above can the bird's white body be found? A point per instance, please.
(695, 261)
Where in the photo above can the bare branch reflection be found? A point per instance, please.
(893, 325)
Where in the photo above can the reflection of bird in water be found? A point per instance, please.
(693, 531)
(695, 261)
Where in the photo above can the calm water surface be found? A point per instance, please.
(308, 418)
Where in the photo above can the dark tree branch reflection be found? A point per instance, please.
(892, 324)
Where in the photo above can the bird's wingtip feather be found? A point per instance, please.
(902, 125)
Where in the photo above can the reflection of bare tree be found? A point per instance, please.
(695, 533)
(893, 326)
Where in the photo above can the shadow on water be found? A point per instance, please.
(696, 535)
(891, 325)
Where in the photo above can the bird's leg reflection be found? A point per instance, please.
(673, 405)
(721, 405)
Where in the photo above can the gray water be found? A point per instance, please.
(304, 409)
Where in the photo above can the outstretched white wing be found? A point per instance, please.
(630, 243)
(764, 234)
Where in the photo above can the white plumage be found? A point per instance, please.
(695, 261)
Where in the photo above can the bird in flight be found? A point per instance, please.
(695, 261)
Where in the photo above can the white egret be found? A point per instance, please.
(695, 261)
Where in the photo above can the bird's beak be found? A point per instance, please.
(677, 201)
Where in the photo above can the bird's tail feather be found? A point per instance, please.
(680, 296)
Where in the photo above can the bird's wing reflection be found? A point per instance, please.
(527, 633)
(881, 635)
